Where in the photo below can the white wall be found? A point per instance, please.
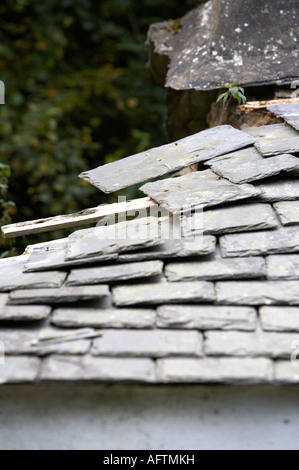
(133, 417)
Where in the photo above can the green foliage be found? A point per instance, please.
(233, 91)
(77, 95)
(5, 209)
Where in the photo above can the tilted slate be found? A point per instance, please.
(206, 317)
(258, 343)
(97, 369)
(196, 189)
(248, 165)
(19, 369)
(282, 189)
(163, 292)
(180, 248)
(283, 240)
(151, 343)
(274, 139)
(215, 370)
(279, 318)
(286, 371)
(289, 112)
(216, 268)
(18, 341)
(53, 257)
(283, 267)
(112, 273)
(168, 158)
(24, 312)
(104, 318)
(124, 236)
(257, 293)
(237, 218)
(288, 212)
(12, 277)
(61, 295)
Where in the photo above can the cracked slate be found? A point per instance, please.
(286, 189)
(204, 317)
(168, 158)
(282, 240)
(196, 189)
(182, 247)
(279, 318)
(283, 267)
(215, 268)
(239, 218)
(61, 295)
(104, 318)
(228, 370)
(24, 312)
(248, 165)
(19, 370)
(163, 292)
(61, 368)
(238, 343)
(289, 112)
(152, 343)
(18, 341)
(274, 139)
(257, 293)
(288, 212)
(121, 272)
(124, 236)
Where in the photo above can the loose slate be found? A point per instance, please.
(274, 139)
(121, 272)
(166, 159)
(279, 190)
(197, 189)
(289, 112)
(24, 312)
(163, 292)
(288, 212)
(64, 294)
(248, 165)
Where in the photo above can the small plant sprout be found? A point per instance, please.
(233, 91)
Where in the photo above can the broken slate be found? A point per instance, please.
(274, 139)
(196, 189)
(248, 165)
(168, 158)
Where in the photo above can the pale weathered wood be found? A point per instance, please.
(86, 216)
(251, 105)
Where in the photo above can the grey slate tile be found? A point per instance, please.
(239, 343)
(239, 218)
(282, 240)
(12, 277)
(189, 246)
(286, 372)
(97, 369)
(289, 112)
(206, 317)
(112, 273)
(218, 370)
(24, 312)
(279, 318)
(151, 343)
(274, 139)
(257, 292)
(163, 292)
(288, 212)
(19, 369)
(248, 165)
(124, 236)
(196, 189)
(17, 341)
(61, 295)
(104, 318)
(216, 268)
(283, 267)
(167, 158)
(279, 189)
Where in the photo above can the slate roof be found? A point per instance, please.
(218, 305)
